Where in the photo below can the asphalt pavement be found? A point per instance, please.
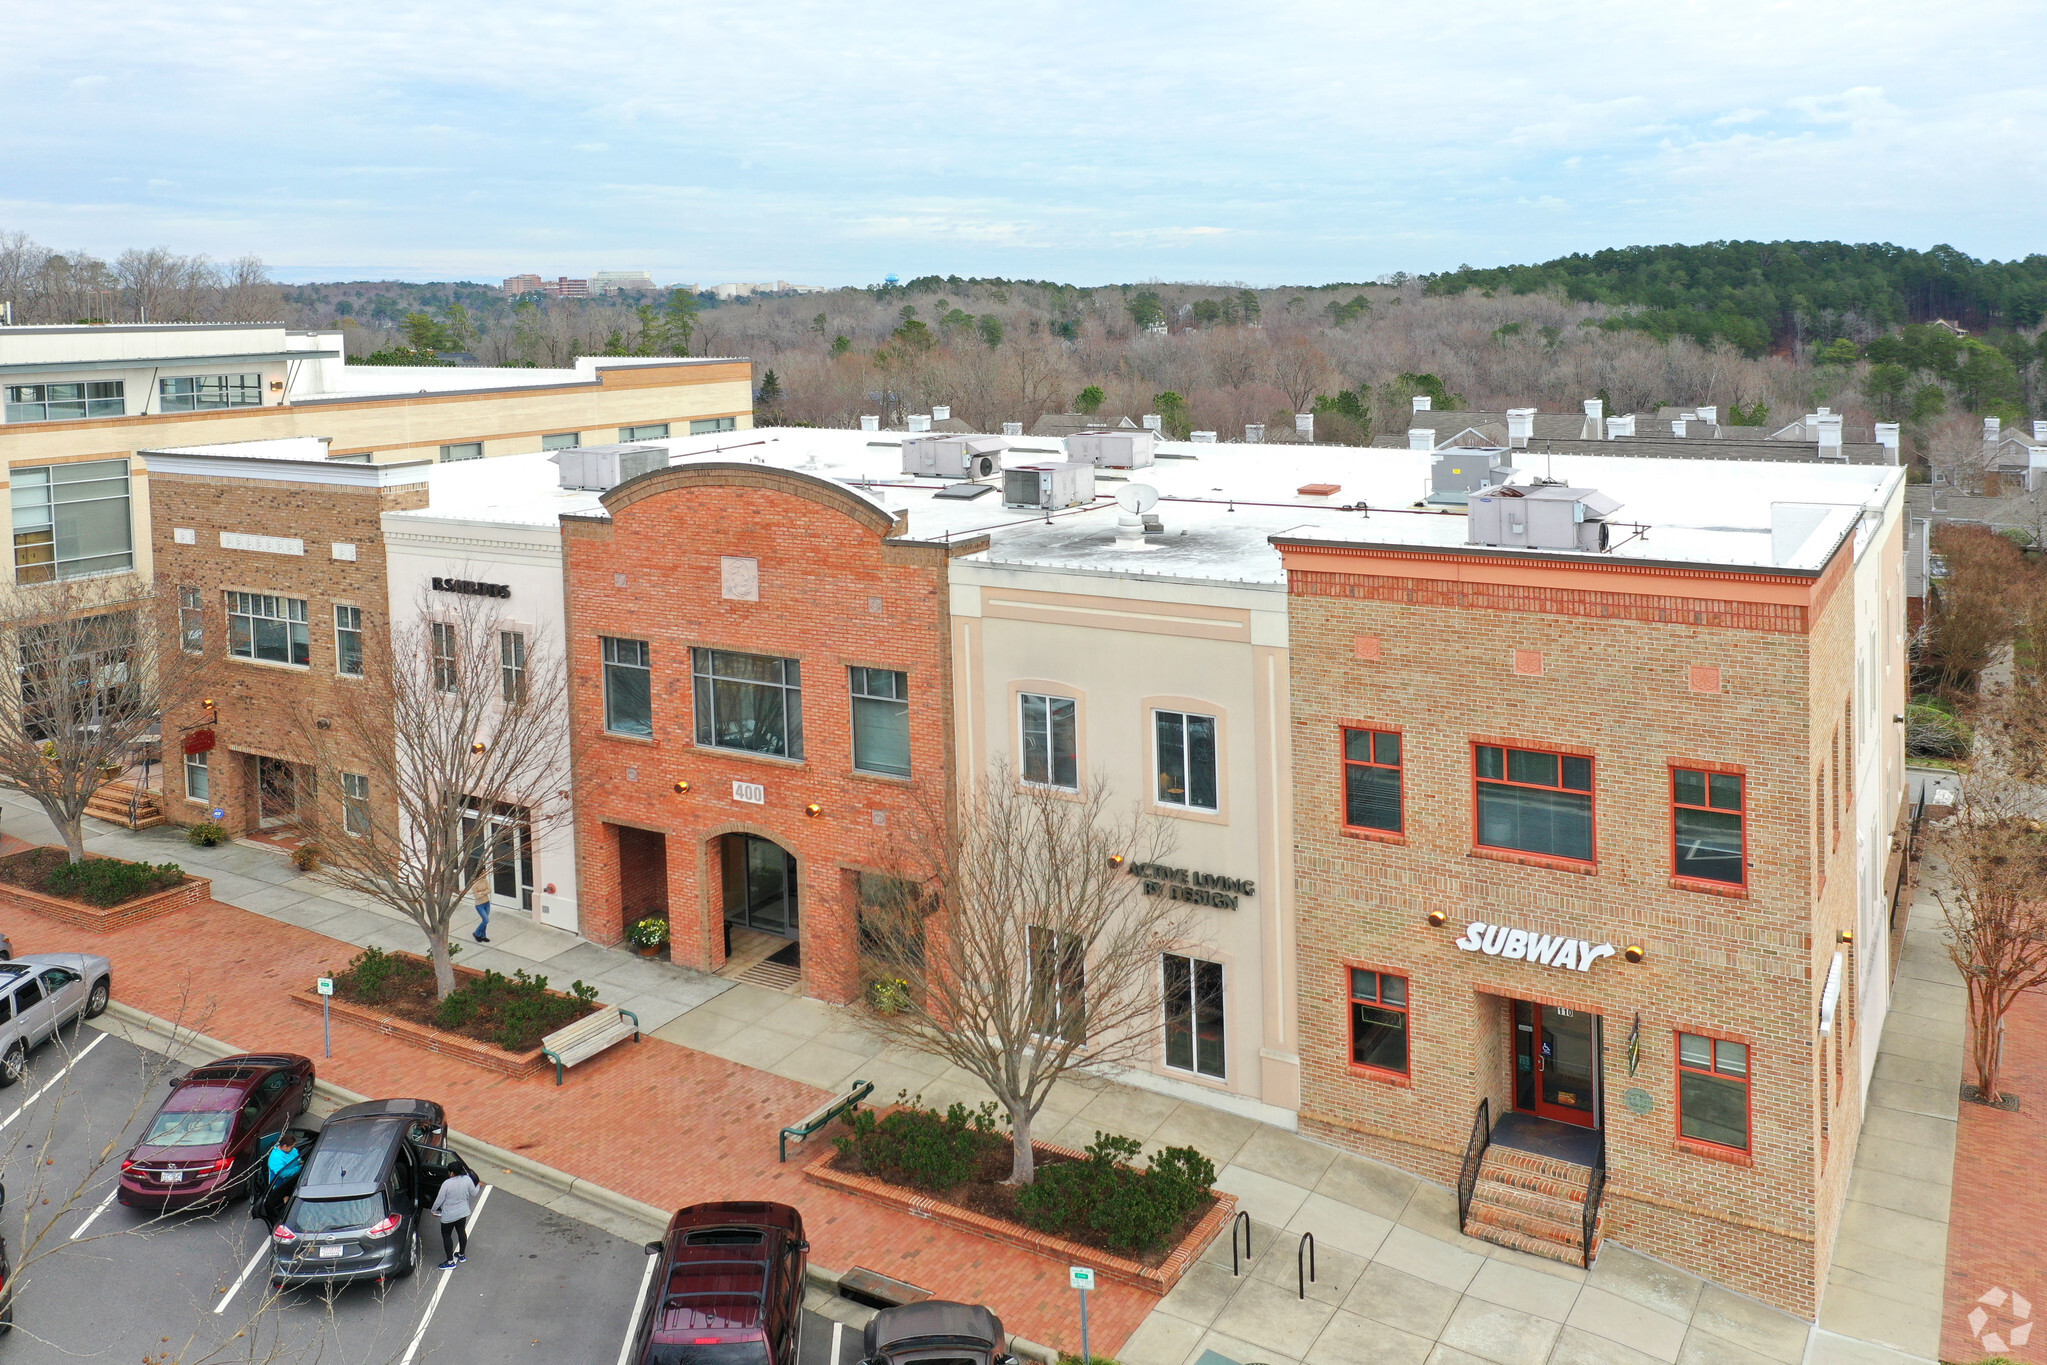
(97, 1281)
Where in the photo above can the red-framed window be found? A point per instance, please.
(1709, 826)
(1371, 780)
(1378, 1021)
(1534, 801)
(1713, 1091)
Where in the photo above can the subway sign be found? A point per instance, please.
(1521, 945)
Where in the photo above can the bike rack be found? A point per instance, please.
(1242, 1220)
(1307, 1245)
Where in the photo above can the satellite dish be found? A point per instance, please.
(1137, 498)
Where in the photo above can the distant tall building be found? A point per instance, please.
(563, 287)
(620, 281)
(523, 284)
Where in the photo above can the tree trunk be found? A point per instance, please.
(444, 963)
(1023, 1165)
(1983, 1036)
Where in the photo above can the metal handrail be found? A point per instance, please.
(1242, 1220)
(1474, 1153)
(1905, 869)
(1595, 1189)
(1307, 1245)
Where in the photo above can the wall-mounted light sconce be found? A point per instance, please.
(682, 788)
(813, 810)
(1438, 918)
(548, 889)
(1115, 860)
(210, 704)
(477, 747)
(1634, 952)
(1845, 936)
(323, 724)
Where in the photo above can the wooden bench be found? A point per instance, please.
(587, 1037)
(808, 1125)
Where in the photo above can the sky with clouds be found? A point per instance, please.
(1292, 141)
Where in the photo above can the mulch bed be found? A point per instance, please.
(33, 869)
(988, 1195)
(411, 995)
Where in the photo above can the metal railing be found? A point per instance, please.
(1305, 1276)
(1474, 1153)
(1905, 867)
(1242, 1220)
(1595, 1189)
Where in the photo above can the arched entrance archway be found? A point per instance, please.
(760, 885)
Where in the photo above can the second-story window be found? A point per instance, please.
(881, 721)
(512, 666)
(1534, 801)
(191, 621)
(751, 702)
(199, 392)
(348, 641)
(628, 688)
(66, 402)
(71, 520)
(270, 628)
(1371, 780)
(1706, 824)
(1186, 759)
(446, 661)
(1051, 754)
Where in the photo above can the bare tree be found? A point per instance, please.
(1955, 450)
(1995, 904)
(1024, 948)
(96, 663)
(455, 745)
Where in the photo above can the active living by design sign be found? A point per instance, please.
(1196, 888)
(1497, 940)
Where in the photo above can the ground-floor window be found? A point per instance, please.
(651, 431)
(705, 425)
(1058, 983)
(1378, 1020)
(355, 803)
(198, 777)
(1194, 1015)
(1713, 1091)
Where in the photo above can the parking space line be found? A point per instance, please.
(104, 1204)
(435, 1302)
(838, 1330)
(78, 1057)
(632, 1323)
(243, 1278)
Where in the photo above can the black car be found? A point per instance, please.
(935, 1333)
(354, 1213)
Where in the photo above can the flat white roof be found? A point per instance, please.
(346, 382)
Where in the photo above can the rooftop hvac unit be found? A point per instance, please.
(1112, 449)
(1065, 483)
(598, 468)
(1457, 474)
(1542, 517)
(953, 457)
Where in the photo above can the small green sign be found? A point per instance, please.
(1638, 1100)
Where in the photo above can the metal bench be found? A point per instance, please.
(587, 1037)
(808, 1125)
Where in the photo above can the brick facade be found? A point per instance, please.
(834, 591)
(1628, 678)
(315, 508)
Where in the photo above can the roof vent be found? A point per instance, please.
(597, 469)
(1543, 517)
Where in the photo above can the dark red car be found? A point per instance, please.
(215, 1131)
(728, 1289)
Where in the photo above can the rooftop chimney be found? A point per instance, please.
(1421, 438)
(1827, 428)
(941, 412)
(1709, 415)
(1520, 426)
(1620, 426)
(1202, 438)
(1154, 422)
(1423, 403)
(919, 421)
(870, 424)
(1254, 433)
(1887, 437)
(1304, 426)
(1595, 420)
(1677, 427)
(1012, 428)
(2040, 431)
(1993, 427)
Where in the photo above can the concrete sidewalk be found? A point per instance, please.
(1396, 1281)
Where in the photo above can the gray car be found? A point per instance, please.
(41, 993)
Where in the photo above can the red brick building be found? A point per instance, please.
(760, 676)
(1577, 840)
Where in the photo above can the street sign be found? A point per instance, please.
(219, 812)
(327, 987)
(1083, 1278)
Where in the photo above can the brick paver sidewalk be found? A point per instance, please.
(1997, 1234)
(661, 1123)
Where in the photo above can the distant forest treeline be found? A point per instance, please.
(1764, 296)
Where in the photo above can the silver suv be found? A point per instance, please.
(41, 993)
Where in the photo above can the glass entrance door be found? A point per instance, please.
(509, 856)
(277, 793)
(1556, 1063)
(760, 885)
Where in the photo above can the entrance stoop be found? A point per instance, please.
(1532, 1203)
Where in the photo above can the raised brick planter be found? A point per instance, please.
(1118, 1269)
(427, 1039)
(80, 915)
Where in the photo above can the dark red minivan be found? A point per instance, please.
(215, 1130)
(728, 1289)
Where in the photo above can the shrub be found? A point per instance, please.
(1933, 730)
(1136, 1211)
(920, 1147)
(518, 1010)
(650, 932)
(112, 881)
(889, 995)
(207, 834)
(375, 976)
(307, 857)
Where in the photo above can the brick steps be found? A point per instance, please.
(1532, 1203)
(114, 802)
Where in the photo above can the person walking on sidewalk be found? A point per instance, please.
(452, 1206)
(481, 893)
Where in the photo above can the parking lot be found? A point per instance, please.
(97, 1281)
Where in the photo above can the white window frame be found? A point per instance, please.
(1194, 964)
(344, 626)
(444, 654)
(261, 606)
(36, 496)
(191, 392)
(200, 763)
(512, 666)
(1050, 778)
(1185, 800)
(355, 805)
(192, 620)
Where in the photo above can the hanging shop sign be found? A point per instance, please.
(471, 587)
(1195, 888)
(200, 741)
(1519, 945)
